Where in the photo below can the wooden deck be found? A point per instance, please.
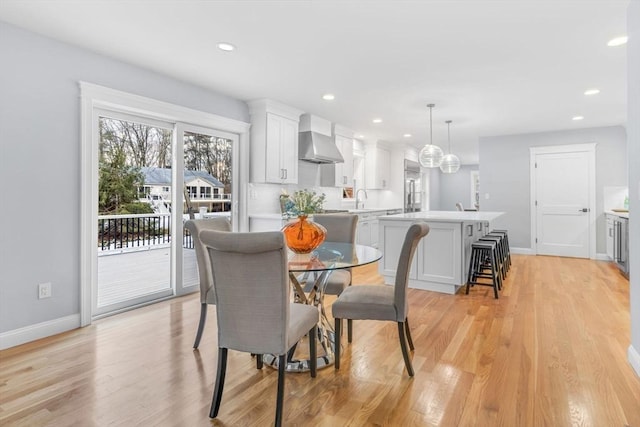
(130, 275)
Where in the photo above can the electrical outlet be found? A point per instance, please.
(44, 290)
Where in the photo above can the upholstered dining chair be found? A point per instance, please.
(254, 313)
(382, 302)
(340, 228)
(207, 296)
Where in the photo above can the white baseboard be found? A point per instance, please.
(602, 257)
(529, 251)
(39, 330)
(634, 359)
(522, 251)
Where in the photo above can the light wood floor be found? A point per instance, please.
(550, 352)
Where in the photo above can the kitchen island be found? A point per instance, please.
(442, 258)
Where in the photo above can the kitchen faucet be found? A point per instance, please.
(357, 199)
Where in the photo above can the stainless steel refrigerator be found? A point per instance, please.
(412, 186)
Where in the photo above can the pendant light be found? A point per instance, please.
(450, 162)
(431, 155)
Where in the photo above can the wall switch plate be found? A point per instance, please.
(486, 196)
(44, 290)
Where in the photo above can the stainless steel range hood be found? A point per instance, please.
(315, 147)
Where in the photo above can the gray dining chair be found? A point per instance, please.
(207, 296)
(382, 302)
(340, 228)
(254, 312)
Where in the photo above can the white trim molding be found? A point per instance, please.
(602, 257)
(634, 359)
(522, 251)
(39, 330)
(95, 98)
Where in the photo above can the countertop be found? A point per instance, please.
(620, 214)
(445, 216)
(355, 211)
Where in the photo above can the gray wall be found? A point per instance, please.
(504, 175)
(434, 189)
(633, 135)
(40, 163)
(456, 187)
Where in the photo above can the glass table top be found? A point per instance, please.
(333, 256)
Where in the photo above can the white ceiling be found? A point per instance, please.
(493, 67)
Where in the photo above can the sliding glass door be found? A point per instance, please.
(209, 187)
(145, 194)
(134, 211)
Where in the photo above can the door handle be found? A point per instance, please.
(583, 210)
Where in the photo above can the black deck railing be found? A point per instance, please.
(130, 231)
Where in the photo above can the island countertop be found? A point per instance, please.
(446, 216)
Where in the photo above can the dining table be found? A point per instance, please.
(308, 274)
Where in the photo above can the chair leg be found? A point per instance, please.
(217, 391)
(403, 346)
(203, 319)
(282, 363)
(407, 331)
(259, 363)
(495, 276)
(336, 351)
(313, 354)
(471, 267)
(349, 330)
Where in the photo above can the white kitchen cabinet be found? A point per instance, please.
(339, 174)
(363, 231)
(610, 235)
(377, 168)
(274, 142)
(440, 256)
(368, 230)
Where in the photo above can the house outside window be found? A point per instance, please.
(143, 191)
(205, 192)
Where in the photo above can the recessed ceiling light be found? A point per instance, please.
(377, 120)
(407, 135)
(618, 41)
(592, 92)
(576, 118)
(360, 136)
(328, 97)
(227, 47)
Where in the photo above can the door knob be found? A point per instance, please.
(583, 210)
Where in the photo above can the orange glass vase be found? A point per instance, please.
(304, 235)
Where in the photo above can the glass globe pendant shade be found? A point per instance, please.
(431, 156)
(450, 164)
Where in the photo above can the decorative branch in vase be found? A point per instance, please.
(303, 235)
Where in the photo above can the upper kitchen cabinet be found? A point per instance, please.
(274, 142)
(340, 174)
(376, 167)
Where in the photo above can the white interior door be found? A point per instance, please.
(563, 200)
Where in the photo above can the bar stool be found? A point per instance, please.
(501, 256)
(505, 236)
(483, 257)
